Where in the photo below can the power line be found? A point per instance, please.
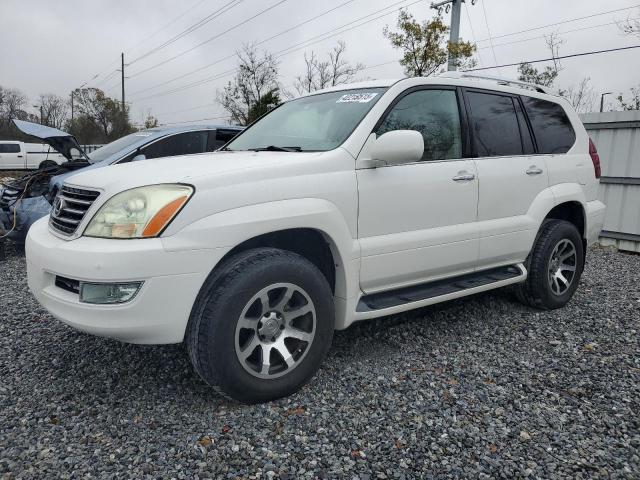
(559, 33)
(486, 21)
(165, 26)
(304, 44)
(311, 41)
(473, 33)
(233, 55)
(200, 23)
(557, 23)
(582, 54)
(144, 40)
(184, 52)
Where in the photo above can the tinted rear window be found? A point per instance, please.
(496, 130)
(551, 126)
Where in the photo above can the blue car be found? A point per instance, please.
(29, 198)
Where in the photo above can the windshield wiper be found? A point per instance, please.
(273, 148)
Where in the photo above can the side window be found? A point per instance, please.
(495, 125)
(219, 137)
(180, 144)
(433, 113)
(9, 148)
(551, 126)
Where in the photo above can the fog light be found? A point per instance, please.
(108, 293)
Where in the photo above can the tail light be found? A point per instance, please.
(595, 158)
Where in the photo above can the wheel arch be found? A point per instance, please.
(312, 244)
(571, 211)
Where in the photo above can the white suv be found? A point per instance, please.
(347, 204)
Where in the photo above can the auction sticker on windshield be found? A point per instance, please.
(356, 98)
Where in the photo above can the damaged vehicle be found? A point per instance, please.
(28, 198)
(25, 200)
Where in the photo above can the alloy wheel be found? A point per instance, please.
(562, 266)
(275, 330)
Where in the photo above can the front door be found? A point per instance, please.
(507, 169)
(417, 222)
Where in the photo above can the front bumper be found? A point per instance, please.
(159, 312)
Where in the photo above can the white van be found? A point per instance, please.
(16, 155)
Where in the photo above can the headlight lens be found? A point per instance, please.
(139, 213)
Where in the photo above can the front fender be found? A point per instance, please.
(230, 228)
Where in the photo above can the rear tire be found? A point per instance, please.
(555, 265)
(261, 325)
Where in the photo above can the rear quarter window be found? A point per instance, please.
(551, 126)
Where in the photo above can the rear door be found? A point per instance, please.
(510, 176)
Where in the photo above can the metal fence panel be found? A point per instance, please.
(617, 137)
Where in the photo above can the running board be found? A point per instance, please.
(407, 298)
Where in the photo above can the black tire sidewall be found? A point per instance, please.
(559, 230)
(218, 361)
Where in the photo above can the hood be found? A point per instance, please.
(200, 169)
(62, 142)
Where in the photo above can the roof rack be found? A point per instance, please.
(499, 80)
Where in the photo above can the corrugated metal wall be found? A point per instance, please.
(617, 137)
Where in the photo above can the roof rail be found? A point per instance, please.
(499, 80)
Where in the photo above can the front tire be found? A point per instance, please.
(261, 325)
(555, 265)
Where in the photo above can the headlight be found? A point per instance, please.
(139, 213)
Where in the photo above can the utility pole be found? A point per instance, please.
(454, 31)
(71, 106)
(122, 72)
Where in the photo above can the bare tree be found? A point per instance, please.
(631, 26)
(13, 104)
(547, 76)
(54, 110)
(150, 121)
(336, 70)
(257, 79)
(581, 96)
(634, 101)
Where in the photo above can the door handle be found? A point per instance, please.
(534, 170)
(463, 177)
(19, 156)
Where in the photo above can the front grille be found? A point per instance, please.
(69, 208)
(8, 198)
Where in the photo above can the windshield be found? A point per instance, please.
(315, 123)
(114, 147)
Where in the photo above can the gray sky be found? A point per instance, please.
(55, 46)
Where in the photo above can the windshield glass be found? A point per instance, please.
(316, 123)
(114, 147)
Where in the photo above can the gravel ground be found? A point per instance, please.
(481, 388)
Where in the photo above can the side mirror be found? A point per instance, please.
(397, 147)
(140, 156)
